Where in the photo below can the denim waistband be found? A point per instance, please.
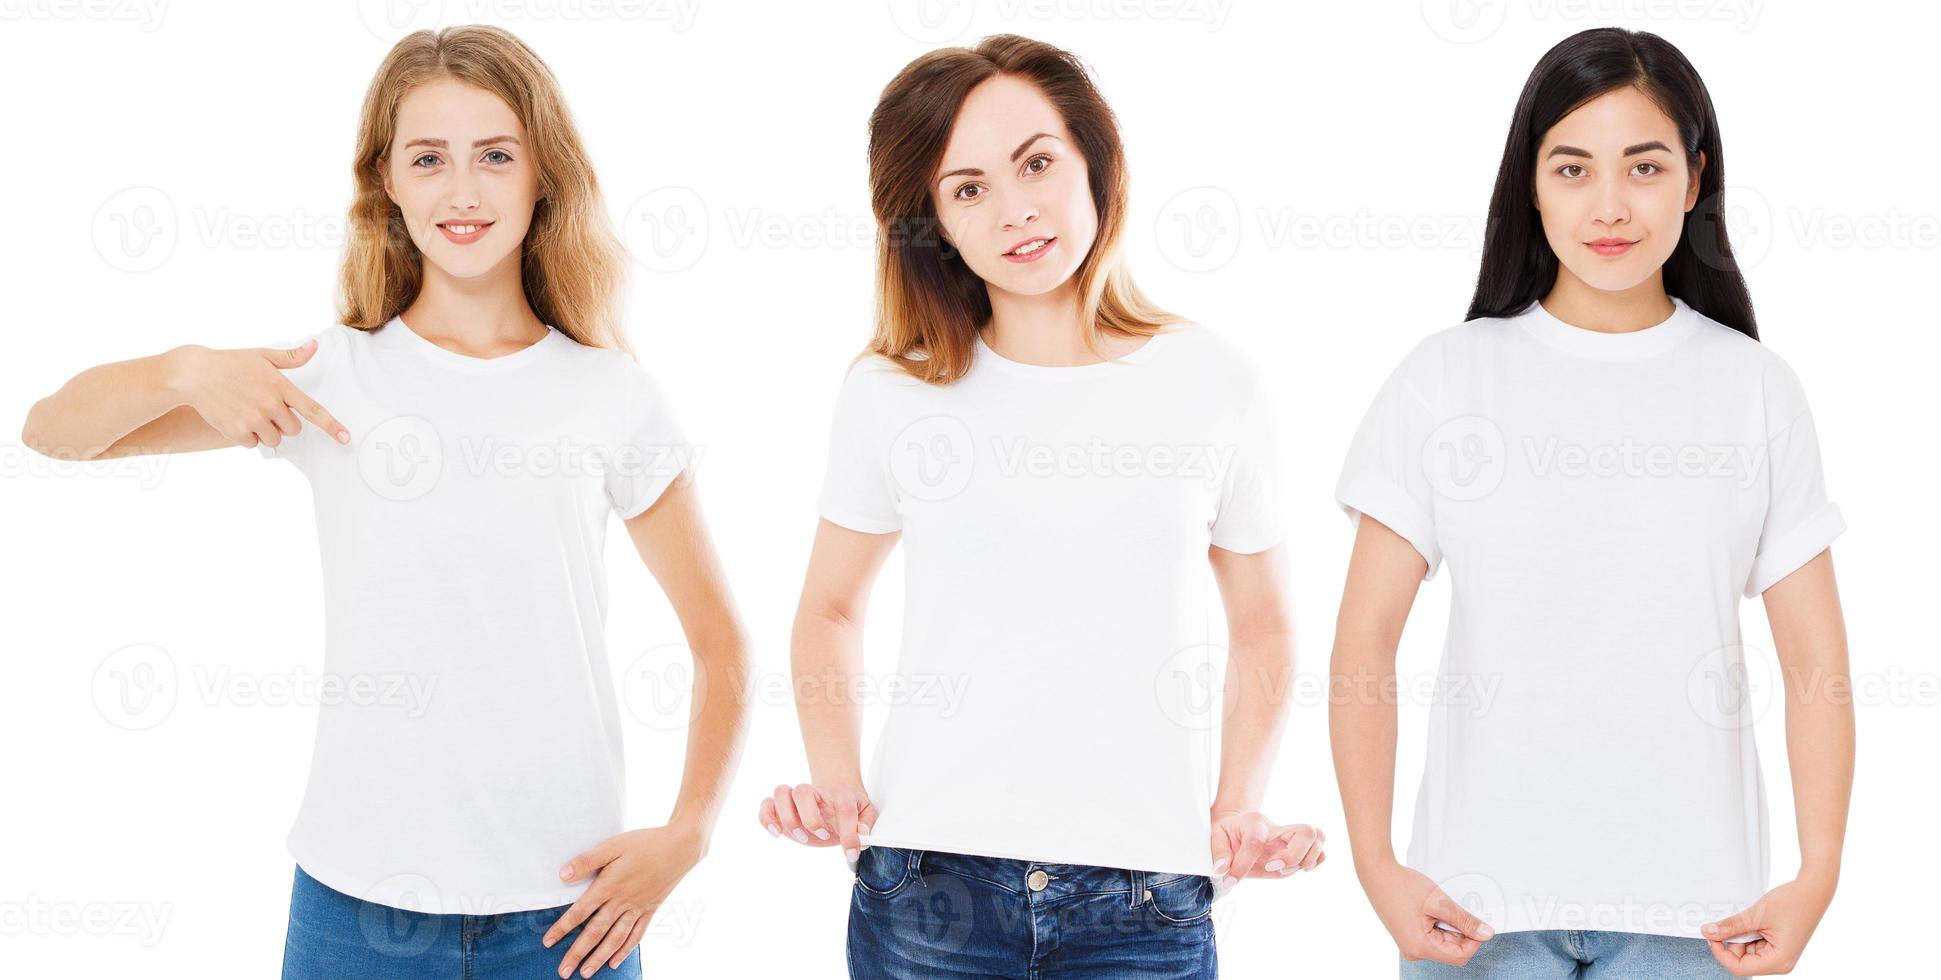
(1058, 881)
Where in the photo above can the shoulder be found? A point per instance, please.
(1211, 354)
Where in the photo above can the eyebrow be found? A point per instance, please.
(442, 144)
(1634, 150)
(1015, 154)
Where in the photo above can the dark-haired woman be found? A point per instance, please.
(1062, 462)
(1607, 459)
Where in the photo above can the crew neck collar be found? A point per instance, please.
(987, 355)
(401, 334)
(1630, 345)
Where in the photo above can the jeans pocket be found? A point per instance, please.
(1183, 901)
(883, 871)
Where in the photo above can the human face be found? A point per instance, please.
(459, 171)
(1012, 192)
(1612, 188)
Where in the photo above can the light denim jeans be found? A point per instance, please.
(1584, 954)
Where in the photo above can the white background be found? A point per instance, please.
(178, 173)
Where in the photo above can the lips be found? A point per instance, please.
(464, 232)
(1611, 246)
(1031, 249)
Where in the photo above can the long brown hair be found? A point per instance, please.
(570, 261)
(929, 304)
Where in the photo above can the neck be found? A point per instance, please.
(1580, 304)
(1045, 329)
(484, 315)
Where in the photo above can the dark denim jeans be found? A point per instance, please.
(334, 936)
(926, 914)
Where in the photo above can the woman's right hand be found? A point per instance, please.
(1410, 905)
(822, 815)
(244, 395)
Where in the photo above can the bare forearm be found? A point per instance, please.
(1260, 668)
(1820, 752)
(97, 407)
(826, 653)
(717, 729)
(1361, 728)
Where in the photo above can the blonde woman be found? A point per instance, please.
(1063, 463)
(466, 428)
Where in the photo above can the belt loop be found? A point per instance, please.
(916, 864)
(1138, 888)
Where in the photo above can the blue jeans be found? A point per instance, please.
(919, 913)
(1557, 954)
(334, 936)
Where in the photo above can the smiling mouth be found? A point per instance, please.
(1031, 247)
(464, 232)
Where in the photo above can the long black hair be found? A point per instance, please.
(1518, 265)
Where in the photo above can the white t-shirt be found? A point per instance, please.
(474, 744)
(1602, 501)
(1055, 524)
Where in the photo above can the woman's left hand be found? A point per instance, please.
(1248, 845)
(1784, 918)
(632, 874)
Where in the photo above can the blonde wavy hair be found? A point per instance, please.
(929, 304)
(571, 263)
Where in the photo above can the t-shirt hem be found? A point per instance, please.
(367, 890)
(1092, 859)
(1794, 549)
(1381, 499)
(856, 523)
(1250, 544)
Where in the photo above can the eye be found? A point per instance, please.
(503, 156)
(1648, 168)
(959, 193)
(1571, 171)
(1038, 164)
(420, 161)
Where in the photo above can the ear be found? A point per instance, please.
(1691, 193)
(384, 174)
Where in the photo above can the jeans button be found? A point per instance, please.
(1037, 880)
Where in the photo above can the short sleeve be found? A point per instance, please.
(1383, 476)
(856, 482)
(306, 377)
(1800, 522)
(651, 451)
(1250, 517)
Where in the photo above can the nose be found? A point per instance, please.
(1610, 208)
(463, 194)
(1021, 216)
